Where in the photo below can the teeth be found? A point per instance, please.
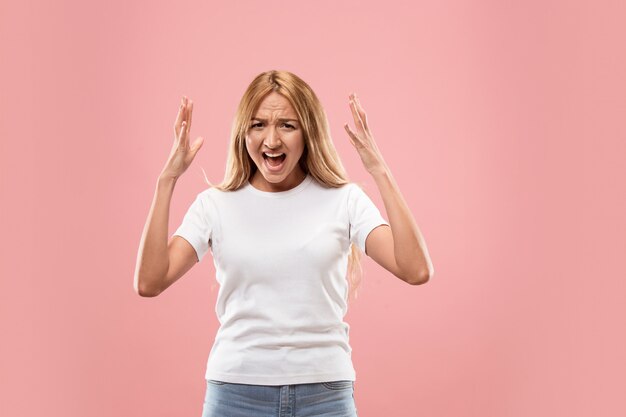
(273, 155)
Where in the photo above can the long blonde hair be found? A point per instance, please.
(319, 158)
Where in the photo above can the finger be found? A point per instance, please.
(361, 112)
(182, 141)
(183, 113)
(355, 114)
(179, 116)
(186, 115)
(197, 145)
(190, 113)
(182, 137)
(351, 135)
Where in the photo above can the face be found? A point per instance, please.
(275, 129)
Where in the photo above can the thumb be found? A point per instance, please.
(197, 145)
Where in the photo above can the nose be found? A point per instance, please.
(272, 140)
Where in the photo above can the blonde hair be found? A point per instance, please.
(319, 158)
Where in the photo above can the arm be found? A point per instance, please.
(401, 248)
(159, 262)
(152, 258)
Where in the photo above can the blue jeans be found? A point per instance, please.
(226, 399)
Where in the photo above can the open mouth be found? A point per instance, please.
(275, 162)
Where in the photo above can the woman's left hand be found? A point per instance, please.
(363, 140)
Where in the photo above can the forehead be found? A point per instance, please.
(275, 105)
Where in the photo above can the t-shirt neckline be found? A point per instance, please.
(280, 194)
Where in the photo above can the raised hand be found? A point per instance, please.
(182, 154)
(362, 139)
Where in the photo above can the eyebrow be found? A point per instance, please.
(281, 120)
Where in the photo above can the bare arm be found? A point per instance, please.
(159, 262)
(400, 248)
(153, 257)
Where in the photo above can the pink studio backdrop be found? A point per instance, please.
(503, 124)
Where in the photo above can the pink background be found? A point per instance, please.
(503, 124)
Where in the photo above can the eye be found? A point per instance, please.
(288, 125)
(255, 124)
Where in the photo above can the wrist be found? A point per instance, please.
(167, 179)
(380, 170)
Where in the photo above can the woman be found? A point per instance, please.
(284, 227)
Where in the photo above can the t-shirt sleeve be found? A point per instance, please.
(364, 216)
(196, 226)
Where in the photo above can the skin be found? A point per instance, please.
(182, 153)
(268, 133)
(400, 247)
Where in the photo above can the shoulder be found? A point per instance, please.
(215, 194)
(322, 192)
(343, 188)
(209, 198)
(349, 190)
(205, 195)
(352, 194)
(356, 191)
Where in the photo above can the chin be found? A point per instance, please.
(275, 178)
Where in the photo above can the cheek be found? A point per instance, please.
(250, 146)
(302, 147)
(298, 142)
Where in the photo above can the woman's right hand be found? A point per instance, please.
(182, 154)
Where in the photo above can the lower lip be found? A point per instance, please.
(277, 168)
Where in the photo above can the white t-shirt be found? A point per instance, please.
(281, 261)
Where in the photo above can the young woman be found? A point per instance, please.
(285, 228)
